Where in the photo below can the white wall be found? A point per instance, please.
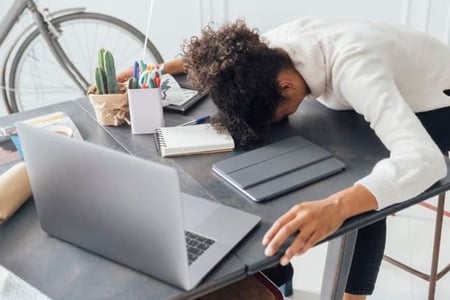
(175, 20)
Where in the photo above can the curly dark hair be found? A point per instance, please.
(239, 71)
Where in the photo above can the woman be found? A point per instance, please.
(393, 76)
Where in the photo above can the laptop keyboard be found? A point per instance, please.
(196, 244)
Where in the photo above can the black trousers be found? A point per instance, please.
(371, 240)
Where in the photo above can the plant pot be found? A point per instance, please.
(110, 109)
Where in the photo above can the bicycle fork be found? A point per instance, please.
(50, 35)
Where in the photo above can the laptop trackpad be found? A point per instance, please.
(196, 210)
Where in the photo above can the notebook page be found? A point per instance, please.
(193, 139)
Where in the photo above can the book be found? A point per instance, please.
(58, 122)
(14, 183)
(177, 96)
(194, 139)
(8, 151)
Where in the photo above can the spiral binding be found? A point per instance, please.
(159, 141)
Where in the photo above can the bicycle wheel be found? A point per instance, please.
(36, 79)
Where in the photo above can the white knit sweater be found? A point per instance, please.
(386, 73)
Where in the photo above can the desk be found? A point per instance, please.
(63, 271)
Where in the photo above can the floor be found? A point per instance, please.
(409, 239)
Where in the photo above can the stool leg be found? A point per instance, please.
(287, 289)
(436, 246)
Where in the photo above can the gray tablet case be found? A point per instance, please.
(278, 168)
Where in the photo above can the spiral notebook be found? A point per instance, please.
(194, 139)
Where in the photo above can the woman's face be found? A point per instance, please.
(286, 108)
(293, 89)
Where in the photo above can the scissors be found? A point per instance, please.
(150, 78)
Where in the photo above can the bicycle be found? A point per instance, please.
(65, 40)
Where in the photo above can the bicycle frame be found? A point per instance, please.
(11, 17)
(40, 46)
(17, 10)
(49, 35)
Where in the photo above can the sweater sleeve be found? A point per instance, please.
(415, 162)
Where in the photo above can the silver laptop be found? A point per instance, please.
(127, 209)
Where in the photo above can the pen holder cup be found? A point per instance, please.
(146, 111)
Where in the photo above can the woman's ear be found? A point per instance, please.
(286, 87)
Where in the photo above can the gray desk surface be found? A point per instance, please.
(344, 133)
(63, 271)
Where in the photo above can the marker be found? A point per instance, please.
(196, 121)
(136, 70)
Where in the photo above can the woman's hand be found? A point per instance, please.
(311, 221)
(124, 75)
(314, 220)
(173, 67)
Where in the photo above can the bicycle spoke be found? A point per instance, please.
(38, 79)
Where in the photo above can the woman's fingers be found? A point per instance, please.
(276, 226)
(311, 222)
(312, 240)
(284, 227)
(302, 239)
(125, 75)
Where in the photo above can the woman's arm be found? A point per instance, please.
(172, 67)
(175, 66)
(414, 164)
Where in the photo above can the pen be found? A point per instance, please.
(136, 70)
(196, 121)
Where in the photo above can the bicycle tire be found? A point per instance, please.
(17, 98)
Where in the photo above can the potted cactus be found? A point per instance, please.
(109, 98)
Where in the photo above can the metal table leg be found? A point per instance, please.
(337, 266)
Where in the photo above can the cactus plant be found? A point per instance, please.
(100, 80)
(105, 73)
(101, 61)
